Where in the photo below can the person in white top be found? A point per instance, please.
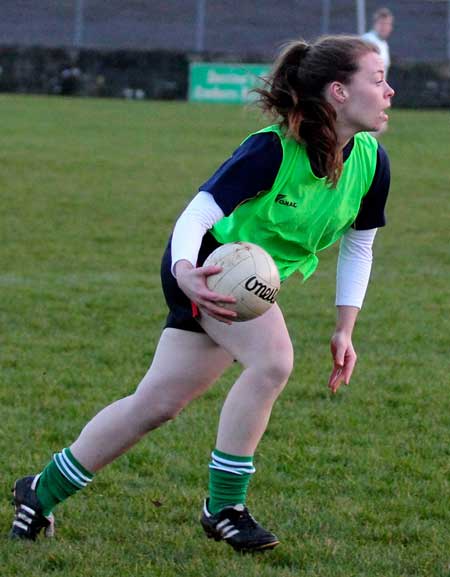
(383, 24)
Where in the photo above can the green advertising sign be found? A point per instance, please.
(220, 82)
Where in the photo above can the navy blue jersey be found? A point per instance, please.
(253, 168)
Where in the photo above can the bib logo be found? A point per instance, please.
(280, 198)
(264, 292)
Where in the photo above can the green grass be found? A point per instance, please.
(354, 485)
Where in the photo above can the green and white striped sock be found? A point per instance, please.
(60, 479)
(229, 476)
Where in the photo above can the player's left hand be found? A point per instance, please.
(344, 360)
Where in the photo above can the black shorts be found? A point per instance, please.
(182, 312)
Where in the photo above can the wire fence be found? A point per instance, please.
(227, 27)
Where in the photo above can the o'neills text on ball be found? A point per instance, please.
(264, 292)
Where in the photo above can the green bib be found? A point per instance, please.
(301, 215)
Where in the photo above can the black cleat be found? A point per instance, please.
(238, 528)
(28, 517)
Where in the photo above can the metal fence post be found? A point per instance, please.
(79, 24)
(448, 30)
(360, 17)
(200, 26)
(326, 9)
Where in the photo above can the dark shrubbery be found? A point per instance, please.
(163, 75)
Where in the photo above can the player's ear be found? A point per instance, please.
(337, 92)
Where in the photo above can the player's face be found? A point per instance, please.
(368, 96)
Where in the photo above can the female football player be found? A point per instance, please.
(295, 187)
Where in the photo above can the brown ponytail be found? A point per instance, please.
(294, 95)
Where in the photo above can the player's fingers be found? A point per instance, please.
(209, 270)
(335, 385)
(221, 298)
(339, 356)
(217, 311)
(207, 297)
(226, 313)
(348, 369)
(222, 318)
(335, 379)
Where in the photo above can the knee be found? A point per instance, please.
(167, 410)
(277, 367)
(279, 370)
(151, 413)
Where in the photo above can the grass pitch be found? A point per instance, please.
(354, 485)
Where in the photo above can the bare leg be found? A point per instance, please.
(184, 366)
(264, 348)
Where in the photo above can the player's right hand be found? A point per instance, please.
(192, 281)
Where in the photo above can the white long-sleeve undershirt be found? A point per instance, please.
(355, 252)
(353, 267)
(200, 215)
